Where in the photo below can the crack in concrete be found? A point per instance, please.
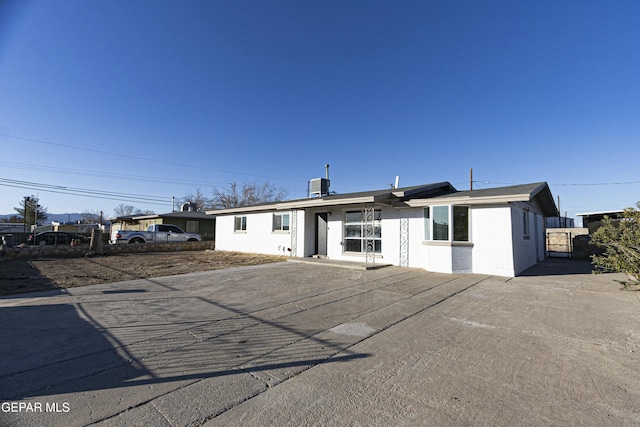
(160, 412)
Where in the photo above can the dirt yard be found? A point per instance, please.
(19, 276)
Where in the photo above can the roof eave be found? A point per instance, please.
(541, 192)
(242, 209)
(599, 213)
(466, 200)
(137, 218)
(298, 204)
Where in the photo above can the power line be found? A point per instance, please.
(600, 183)
(82, 192)
(84, 172)
(128, 156)
(565, 184)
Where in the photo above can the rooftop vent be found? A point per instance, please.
(188, 207)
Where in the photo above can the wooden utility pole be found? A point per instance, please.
(470, 178)
(559, 213)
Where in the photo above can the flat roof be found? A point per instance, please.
(600, 213)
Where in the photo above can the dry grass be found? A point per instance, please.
(19, 276)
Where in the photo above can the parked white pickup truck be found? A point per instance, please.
(154, 233)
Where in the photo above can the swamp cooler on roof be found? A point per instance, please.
(319, 187)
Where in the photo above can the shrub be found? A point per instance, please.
(620, 240)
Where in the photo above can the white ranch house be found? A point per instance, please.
(498, 231)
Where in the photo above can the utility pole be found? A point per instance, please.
(470, 178)
(24, 214)
(559, 213)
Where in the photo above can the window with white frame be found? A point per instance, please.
(355, 234)
(439, 226)
(240, 223)
(280, 222)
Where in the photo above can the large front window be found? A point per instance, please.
(438, 226)
(355, 231)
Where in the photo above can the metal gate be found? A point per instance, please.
(559, 244)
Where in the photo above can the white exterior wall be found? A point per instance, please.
(490, 252)
(491, 238)
(259, 237)
(390, 236)
(541, 231)
(498, 246)
(418, 251)
(526, 249)
(438, 257)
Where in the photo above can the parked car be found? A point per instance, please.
(57, 238)
(154, 233)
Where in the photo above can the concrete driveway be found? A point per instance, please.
(295, 344)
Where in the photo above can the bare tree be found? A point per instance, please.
(124, 210)
(246, 194)
(127, 210)
(91, 216)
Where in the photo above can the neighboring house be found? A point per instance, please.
(497, 231)
(190, 221)
(593, 220)
(78, 228)
(560, 222)
(13, 227)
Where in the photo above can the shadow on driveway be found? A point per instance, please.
(60, 348)
(559, 266)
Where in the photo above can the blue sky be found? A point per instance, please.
(140, 101)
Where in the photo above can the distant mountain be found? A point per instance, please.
(64, 217)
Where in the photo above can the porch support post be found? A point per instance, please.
(369, 231)
(404, 242)
(294, 232)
